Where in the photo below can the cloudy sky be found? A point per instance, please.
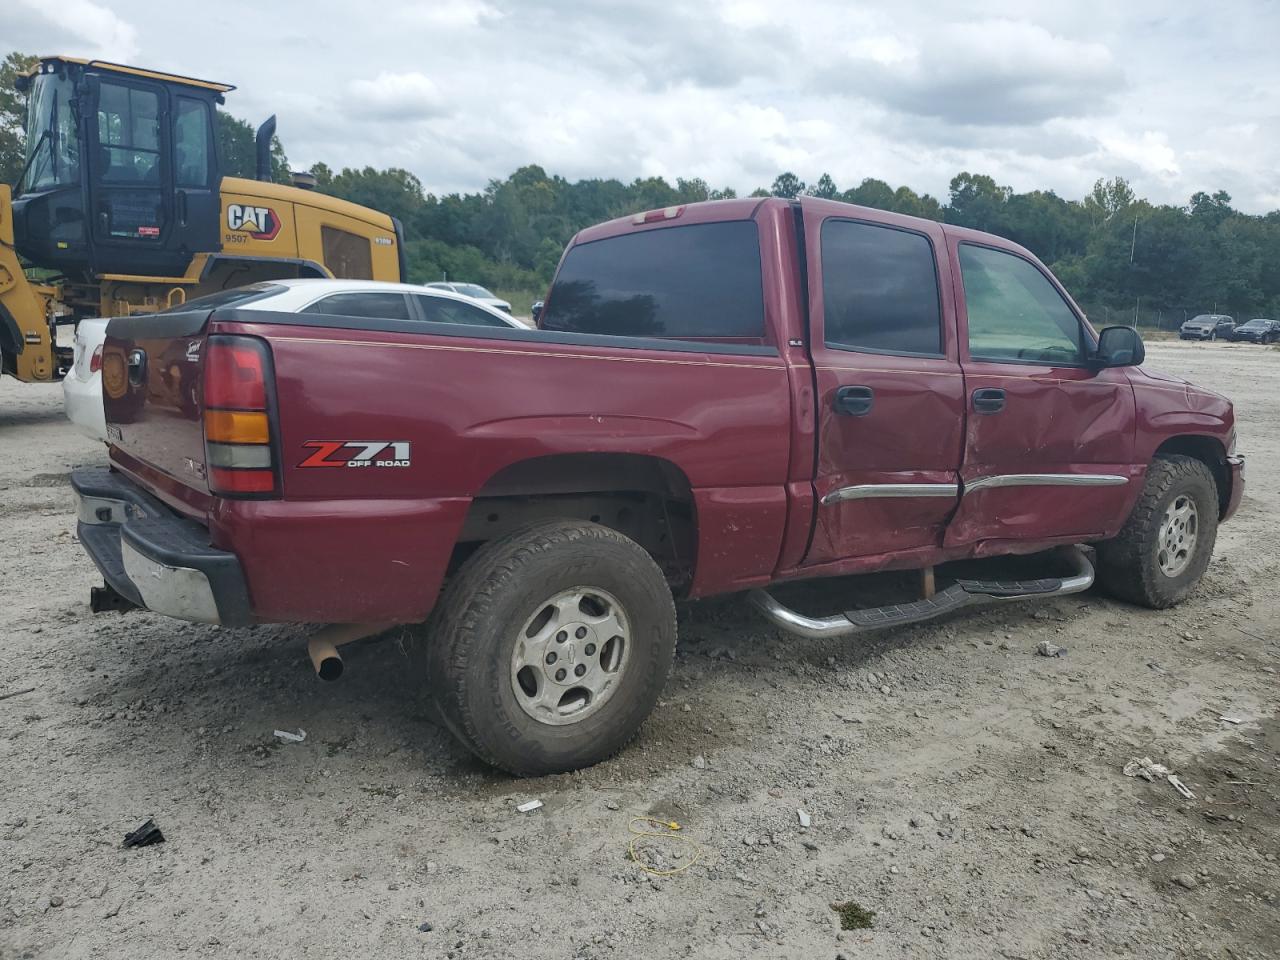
(1176, 97)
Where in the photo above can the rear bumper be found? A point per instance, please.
(1236, 466)
(154, 557)
(82, 400)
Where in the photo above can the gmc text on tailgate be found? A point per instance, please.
(721, 397)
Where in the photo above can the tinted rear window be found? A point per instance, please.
(384, 306)
(880, 289)
(700, 281)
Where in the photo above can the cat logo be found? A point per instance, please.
(260, 223)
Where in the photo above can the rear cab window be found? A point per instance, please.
(699, 282)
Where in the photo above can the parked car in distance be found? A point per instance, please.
(1207, 326)
(82, 386)
(1259, 330)
(475, 292)
(721, 397)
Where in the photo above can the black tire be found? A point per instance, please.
(473, 636)
(1129, 567)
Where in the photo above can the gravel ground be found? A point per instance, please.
(964, 789)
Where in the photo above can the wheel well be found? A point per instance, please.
(1208, 451)
(645, 498)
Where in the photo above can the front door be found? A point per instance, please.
(1049, 440)
(889, 390)
(129, 178)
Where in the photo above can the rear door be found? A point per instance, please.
(890, 396)
(1049, 444)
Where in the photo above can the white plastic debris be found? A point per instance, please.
(1146, 768)
(292, 737)
(1231, 720)
(1181, 787)
(805, 819)
(529, 806)
(1149, 770)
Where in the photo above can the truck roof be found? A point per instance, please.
(710, 211)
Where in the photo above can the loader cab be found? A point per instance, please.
(122, 171)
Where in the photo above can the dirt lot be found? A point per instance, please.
(966, 790)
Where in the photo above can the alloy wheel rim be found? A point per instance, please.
(570, 655)
(1179, 531)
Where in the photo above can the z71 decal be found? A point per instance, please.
(357, 453)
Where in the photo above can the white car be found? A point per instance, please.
(475, 292)
(82, 387)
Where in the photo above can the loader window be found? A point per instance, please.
(347, 255)
(53, 148)
(128, 134)
(191, 143)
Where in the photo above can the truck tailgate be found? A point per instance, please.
(151, 366)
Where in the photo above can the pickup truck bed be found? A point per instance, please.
(721, 397)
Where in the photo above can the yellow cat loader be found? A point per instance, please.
(122, 208)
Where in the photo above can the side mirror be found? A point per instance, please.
(1119, 347)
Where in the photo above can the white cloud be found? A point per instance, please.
(395, 97)
(84, 28)
(1170, 94)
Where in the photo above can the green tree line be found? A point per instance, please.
(1123, 258)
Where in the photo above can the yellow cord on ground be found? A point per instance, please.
(668, 832)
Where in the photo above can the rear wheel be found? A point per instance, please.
(1164, 547)
(551, 646)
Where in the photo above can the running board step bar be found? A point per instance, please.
(961, 594)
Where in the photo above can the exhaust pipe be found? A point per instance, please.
(323, 646)
(263, 144)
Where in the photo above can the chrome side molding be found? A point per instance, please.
(876, 491)
(1045, 480)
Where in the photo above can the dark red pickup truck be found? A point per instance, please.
(721, 397)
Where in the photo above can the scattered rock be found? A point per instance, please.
(56, 901)
(1186, 880)
(699, 762)
(425, 927)
(1046, 649)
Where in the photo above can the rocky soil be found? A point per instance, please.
(966, 790)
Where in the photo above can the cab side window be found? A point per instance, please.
(1015, 314)
(879, 290)
(191, 131)
(444, 310)
(382, 306)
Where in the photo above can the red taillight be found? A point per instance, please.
(238, 433)
(95, 361)
(235, 374)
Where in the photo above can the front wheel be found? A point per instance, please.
(550, 647)
(1164, 547)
